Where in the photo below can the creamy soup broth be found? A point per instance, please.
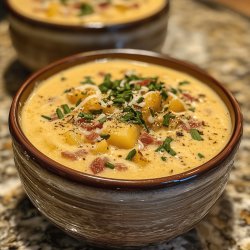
(126, 120)
(89, 12)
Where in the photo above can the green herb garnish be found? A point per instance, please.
(140, 100)
(166, 119)
(195, 134)
(96, 112)
(67, 90)
(109, 165)
(105, 136)
(86, 116)
(107, 84)
(174, 91)
(86, 9)
(152, 112)
(163, 158)
(87, 80)
(131, 155)
(166, 147)
(102, 120)
(184, 83)
(66, 109)
(164, 95)
(59, 113)
(119, 100)
(200, 155)
(64, 2)
(78, 102)
(46, 117)
(133, 116)
(192, 109)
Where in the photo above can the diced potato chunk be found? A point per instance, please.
(75, 94)
(50, 144)
(153, 101)
(140, 159)
(121, 7)
(92, 104)
(100, 147)
(122, 135)
(176, 105)
(109, 110)
(52, 10)
(73, 138)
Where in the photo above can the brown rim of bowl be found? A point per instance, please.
(89, 28)
(139, 55)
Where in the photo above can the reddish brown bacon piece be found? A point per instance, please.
(76, 155)
(144, 82)
(98, 165)
(92, 136)
(148, 139)
(188, 97)
(121, 167)
(191, 124)
(89, 126)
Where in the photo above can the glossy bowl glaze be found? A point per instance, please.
(121, 213)
(38, 43)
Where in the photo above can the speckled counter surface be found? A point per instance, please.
(212, 37)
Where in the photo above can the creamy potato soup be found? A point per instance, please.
(88, 11)
(126, 120)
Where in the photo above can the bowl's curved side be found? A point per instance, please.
(40, 44)
(121, 218)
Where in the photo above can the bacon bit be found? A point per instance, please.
(101, 73)
(90, 126)
(74, 155)
(191, 124)
(54, 117)
(92, 136)
(76, 5)
(188, 97)
(98, 165)
(148, 139)
(121, 167)
(104, 5)
(144, 82)
(136, 6)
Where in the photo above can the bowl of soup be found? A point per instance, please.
(124, 148)
(44, 30)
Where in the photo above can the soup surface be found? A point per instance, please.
(88, 12)
(126, 119)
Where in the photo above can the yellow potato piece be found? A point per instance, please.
(52, 10)
(101, 147)
(153, 101)
(109, 110)
(92, 104)
(176, 105)
(140, 160)
(75, 94)
(122, 135)
(121, 7)
(73, 138)
(50, 144)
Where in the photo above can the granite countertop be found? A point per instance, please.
(211, 36)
